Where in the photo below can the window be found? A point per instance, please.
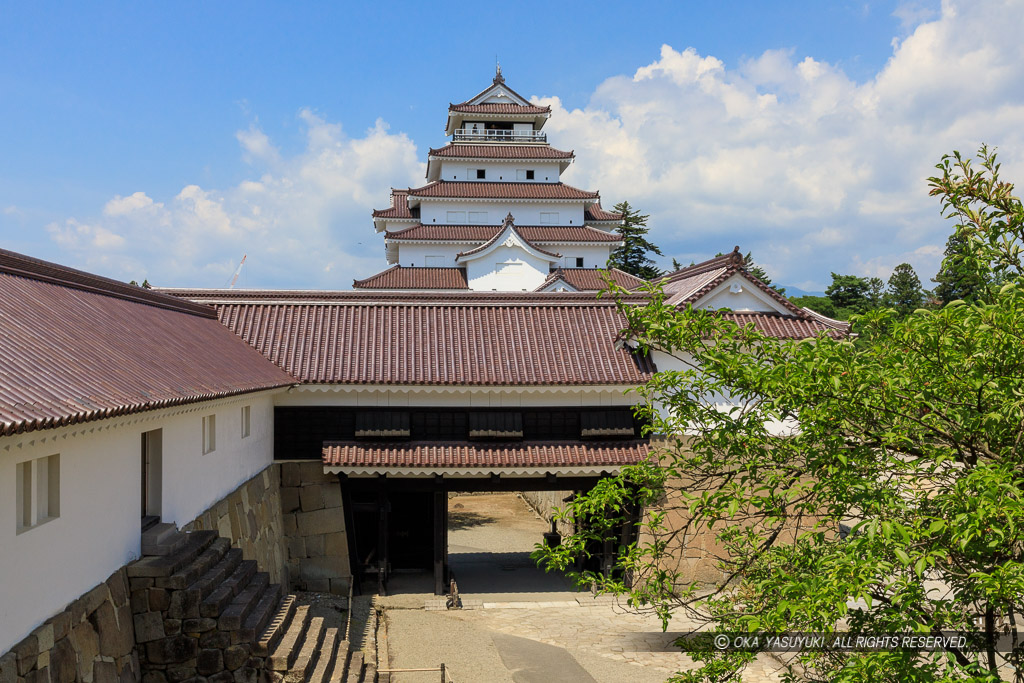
(38, 494)
(573, 261)
(434, 261)
(524, 174)
(579, 261)
(549, 218)
(209, 434)
(481, 173)
(456, 217)
(246, 422)
(478, 218)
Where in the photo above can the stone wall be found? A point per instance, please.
(545, 503)
(314, 529)
(92, 640)
(250, 516)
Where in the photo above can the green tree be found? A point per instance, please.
(952, 281)
(757, 271)
(633, 256)
(819, 304)
(850, 294)
(904, 292)
(896, 507)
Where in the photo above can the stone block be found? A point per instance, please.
(87, 644)
(235, 657)
(139, 582)
(105, 672)
(311, 498)
(215, 640)
(149, 626)
(332, 494)
(323, 568)
(289, 499)
(173, 650)
(319, 522)
(316, 585)
(314, 545)
(197, 626)
(176, 674)
(44, 637)
(114, 641)
(9, 668)
(184, 605)
(339, 587)
(291, 528)
(117, 585)
(222, 677)
(61, 625)
(159, 599)
(38, 676)
(154, 677)
(172, 627)
(247, 674)
(296, 547)
(290, 475)
(335, 545)
(140, 601)
(43, 661)
(209, 662)
(27, 652)
(63, 662)
(93, 599)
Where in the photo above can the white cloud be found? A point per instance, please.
(303, 221)
(789, 157)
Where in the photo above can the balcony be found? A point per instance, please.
(468, 135)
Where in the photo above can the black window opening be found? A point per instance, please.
(579, 261)
(382, 425)
(481, 173)
(496, 425)
(529, 175)
(603, 424)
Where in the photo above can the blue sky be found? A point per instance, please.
(163, 141)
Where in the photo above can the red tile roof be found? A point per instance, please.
(526, 454)
(399, 207)
(498, 108)
(405, 277)
(787, 327)
(500, 152)
(595, 213)
(482, 233)
(507, 224)
(505, 190)
(591, 279)
(452, 339)
(76, 347)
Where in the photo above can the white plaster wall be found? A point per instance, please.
(750, 298)
(524, 213)
(497, 171)
(528, 273)
(410, 254)
(46, 567)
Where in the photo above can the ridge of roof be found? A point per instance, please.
(597, 214)
(449, 150)
(508, 224)
(590, 279)
(222, 297)
(399, 206)
(21, 265)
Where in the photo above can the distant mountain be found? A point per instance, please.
(792, 291)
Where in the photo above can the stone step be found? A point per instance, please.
(326, 658)
(162, 539)
(190, 573)
(354, 670)
(166, 565)
(217, 574)
(287, 648)
(310, 646)
(340, 661)
(233, 616)
(222, 595)
(260, 615)
(278, 626)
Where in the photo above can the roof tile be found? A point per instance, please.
(527, 454)
(500, 152)
(406, 277)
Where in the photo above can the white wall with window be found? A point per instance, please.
(456, 212)
(72, 496)
(501, 171)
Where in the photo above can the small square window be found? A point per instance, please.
(38, 494)
(529, 175)
(209, 434)
(579, 261)
(246, 416)
(481, 173)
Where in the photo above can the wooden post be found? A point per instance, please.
(382, 541)
(440, 541)
(444, 674)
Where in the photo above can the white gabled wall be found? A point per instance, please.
(507, 269)
(740, 294)
(47, 566)
(412, 254)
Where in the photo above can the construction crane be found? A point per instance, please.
(237, 272)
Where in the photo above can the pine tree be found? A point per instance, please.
(633, 256)
(904, 293)
(953, 281)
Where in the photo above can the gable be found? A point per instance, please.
(740, 293)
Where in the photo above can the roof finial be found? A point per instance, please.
(508, 220)
(498, 78)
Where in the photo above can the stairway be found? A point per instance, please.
(200, 609)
